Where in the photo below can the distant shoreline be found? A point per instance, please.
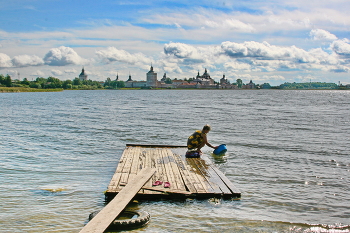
(24, 89)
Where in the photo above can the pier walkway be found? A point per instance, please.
(187, 177)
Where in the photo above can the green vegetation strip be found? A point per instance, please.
(26, 89)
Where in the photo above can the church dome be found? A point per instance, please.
(82, 72)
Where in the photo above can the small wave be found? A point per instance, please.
(321, 228)
(54, 190)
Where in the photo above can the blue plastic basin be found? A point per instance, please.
(220, 150)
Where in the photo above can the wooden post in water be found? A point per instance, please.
(106, 216)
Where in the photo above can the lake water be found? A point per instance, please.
(288, 153)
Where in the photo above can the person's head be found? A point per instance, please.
(206, 128)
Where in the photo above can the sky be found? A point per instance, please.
(272, 42)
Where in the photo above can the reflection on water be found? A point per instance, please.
(287, 153)
(219, 159)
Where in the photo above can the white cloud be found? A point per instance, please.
(306, 78)
(62, 56)
(288, 20)
(252, 56)
(171, 67)
(5, 61)
(13, 73)
(256, 49)
(323, 35)
(238, 25)
(339, 69)
(189, 55)
(273, 77)
(180, 50)
(113, 54)
(300, 55)
(221, 24)
(252, 49)
(70, 71)
(232, 24)
(38, 73)
(341, 47)
(27, 60)
(56, 72)
(237, 66)
(177, 25)
(324, 57)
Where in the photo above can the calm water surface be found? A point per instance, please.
(288, 152)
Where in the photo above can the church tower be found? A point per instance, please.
(129, 80)
(164, 78)
(82, 75)
(152, 78)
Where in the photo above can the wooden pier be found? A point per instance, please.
(188, 177)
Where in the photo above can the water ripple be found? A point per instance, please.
(287, 153)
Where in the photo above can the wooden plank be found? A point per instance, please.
(161, 174)
(148, 156)
(167, 190)
(106, 216)
(154, 146)
(126, 172)
(203, 168)
(153, 164)
(175, 169)
(157, 162)
(213, 177)
(116, 177)
(197, 173)
(127, 167)
(135, 162)
(228, 183)
(184, 174)
(122, 159)
(150, 161)
(193, 178)
(142, 161)
(168, 170)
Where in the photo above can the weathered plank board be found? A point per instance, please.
(116, 177)
(166, 190)
(204, 170)
(185, 174)
(195, 177)
(106, 216)
(227, 182)
(175, 170)
(198, 175)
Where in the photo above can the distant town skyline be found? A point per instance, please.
(267, 42)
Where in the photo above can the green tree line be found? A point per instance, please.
(310, 85)
(113, 84)
(54, 83)
(5, 81)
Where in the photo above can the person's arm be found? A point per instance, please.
(207, 143)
